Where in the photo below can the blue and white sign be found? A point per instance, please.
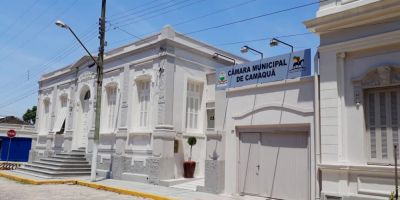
(287, 66)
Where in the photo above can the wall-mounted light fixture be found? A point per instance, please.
(216, 55)
(246, 49)
(275, 42)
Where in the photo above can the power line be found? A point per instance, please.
(133, 9)
(26, 11)
(255, 17)
(146, 10)
(55, 59)
(135, 19)
(31, 23)
(213, 13)
(123, 30)
(35, 35)
(18, 99)
(192, 19)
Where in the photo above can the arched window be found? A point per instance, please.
(85, 101)
(87, 95)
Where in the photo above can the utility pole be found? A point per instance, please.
(396, 193)
(100, 59)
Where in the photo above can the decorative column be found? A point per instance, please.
(33, 153)
(121, 135)
(214, 176)
(162, 164)
(50, 134)
(69, 121)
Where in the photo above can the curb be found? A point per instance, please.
(86, 184)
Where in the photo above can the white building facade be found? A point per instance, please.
(359, 70)
(264, 140)
(156, 94)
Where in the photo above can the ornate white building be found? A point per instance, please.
(156, 93)
(359, 70)
(330, 137)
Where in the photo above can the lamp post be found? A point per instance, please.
(64, 25)
(246, 49)
(274, 42)
(99, 63)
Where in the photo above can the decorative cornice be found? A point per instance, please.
(388, 38)
(362, 15)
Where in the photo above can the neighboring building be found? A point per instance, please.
(155, 92)
(21, 144)
(359, 69)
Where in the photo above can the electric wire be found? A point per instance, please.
(248, 19)
(22, 15)
(38, 33)
(132, 9)
(138, 18)
(29, 24)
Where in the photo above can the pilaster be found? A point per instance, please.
(161, 165)
(342, 117)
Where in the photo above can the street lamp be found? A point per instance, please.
(216, 55)
(64, 25)
(246, 48)
(275, 42)
(99, 63)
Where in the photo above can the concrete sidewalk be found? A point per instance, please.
(175, 193)
(136, 187)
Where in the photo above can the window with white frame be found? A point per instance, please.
(143, 87)
(382, 119)
(193, 104)
(111, 106)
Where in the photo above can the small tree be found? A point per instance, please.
(191, 141)
(30, 115)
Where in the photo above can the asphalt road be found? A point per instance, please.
(11, 190)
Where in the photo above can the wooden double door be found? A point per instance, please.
(274, 165)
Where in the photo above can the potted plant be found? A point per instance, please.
(189, 166)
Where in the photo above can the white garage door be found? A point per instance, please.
(274, 165)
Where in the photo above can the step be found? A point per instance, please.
(54, 173)
(23, 172)
(171, 182)
(71, 154)
(142, 178)
(50, 167)
(64, 161)
(192, 185)
(68, 157)
(68, 165)
(79, 151)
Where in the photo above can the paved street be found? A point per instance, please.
(11, 190)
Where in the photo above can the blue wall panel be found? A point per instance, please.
(19, 149)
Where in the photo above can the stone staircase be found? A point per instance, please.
(60, 165)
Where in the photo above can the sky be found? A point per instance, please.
(32, 45)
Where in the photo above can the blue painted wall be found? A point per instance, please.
(19, 149)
